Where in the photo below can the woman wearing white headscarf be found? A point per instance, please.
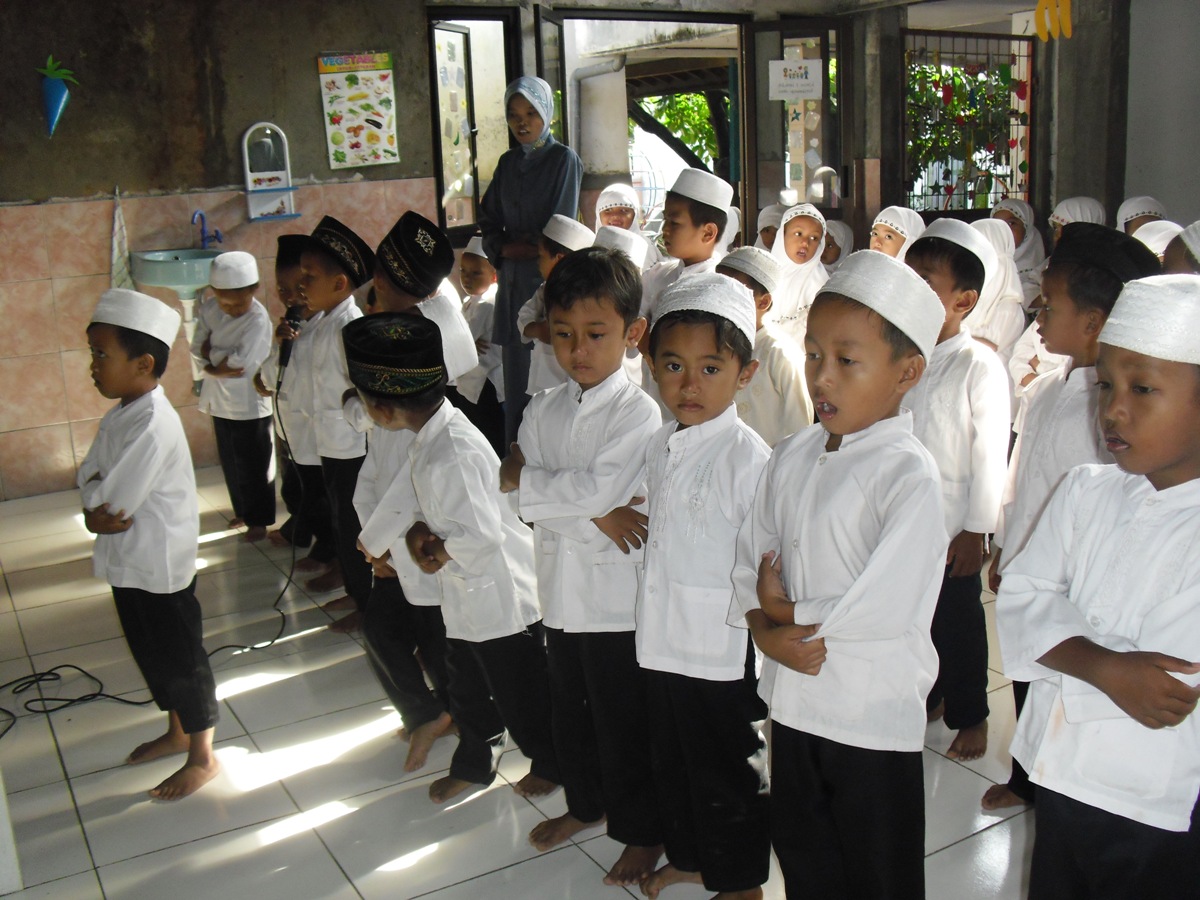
(533, 181)
(619, 206)
(1138, 211)
(1075, 209)
(1030, 253)
(998, 318)
(839, 244)
(798, 248)
(895, 229)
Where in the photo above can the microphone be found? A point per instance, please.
(293, 318)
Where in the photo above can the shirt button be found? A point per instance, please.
(654, 544)
(795, 545)
(1096, 621)
(821, 460)
(1152, 501)
(650, 590)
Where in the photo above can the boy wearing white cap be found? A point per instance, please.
(231, 342)
(560, 237)
(706, 743)
(139, 499)
(961, 414)
(849, 658)
(776, 403)
(481, 390)
(1101, 613)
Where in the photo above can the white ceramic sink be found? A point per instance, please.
(185, 271)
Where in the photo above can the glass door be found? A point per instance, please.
(551, 66)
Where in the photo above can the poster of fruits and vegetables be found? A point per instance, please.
(358, 101)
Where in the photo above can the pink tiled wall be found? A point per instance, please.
(54, 264)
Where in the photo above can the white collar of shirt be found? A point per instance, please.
(695, 434)
(144, 400)
(951, 345)
(436, 425)
(600, 392)
(1139, 490)
(881, 430)
(342, 307)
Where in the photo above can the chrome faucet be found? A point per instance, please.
(206, 236)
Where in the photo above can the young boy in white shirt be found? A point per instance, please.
(961, 414)
(231, 341)
(1101, 613)
(481, 390)
(335, 262)
(1060, 426)
(479, 551)
(837, 572)
(706, 742)
(139, 499)
(560, 237)
(575, 469)
(776, 403)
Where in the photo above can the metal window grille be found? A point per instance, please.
(968, 119)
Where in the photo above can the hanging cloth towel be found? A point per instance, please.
(121, 276)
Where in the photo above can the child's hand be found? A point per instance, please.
(101, 521)
(263, 390)
(1139, 683)
(224, 370)
(625, 526)
(510, 469)
(965, 556)
(994, 572)
(482, 345)
(427, 550)
(286, 331)
(772, 595)
(539, 331)
(206, 348)
(382, 565)
(788, 645)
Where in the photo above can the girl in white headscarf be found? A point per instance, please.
(1157, 235)
(839, 244)
(769, 220)
(1075, 209)
(798, 248)
(1138, 211)
(894, 230)
(1030, 253)
(998, 318)
(618, 206)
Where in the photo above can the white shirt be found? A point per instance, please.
(1060, 430)
(1029, 345)
(776, 402)
(294, 401)
(584, 453)
(488, 588)
(701, 483)
(243, 342)
(859, 531)
(140, 463)
(544, 370)
(960, 413)
(479, 310)
(1117, 562)
(338, 437)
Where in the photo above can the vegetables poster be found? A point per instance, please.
(358, 101)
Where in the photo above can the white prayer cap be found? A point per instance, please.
(616, 195)
(571, 233)
(138, 312)
(733, 224)
(1191, 239)
(771, 216)
(475, 246)
(232, 270)
(711, 293)
(758, 264)
(633, 245)
(969, 239)
(1079, 209)
(703, 187)
(1157, 316)
(894, 291)
(1135, 207)
(1156, 235)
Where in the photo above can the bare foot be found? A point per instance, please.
(535, 786)
(188, 780)
(634, 865)
(752, 894)
(936, 713)
(1000, 796)
(447, 788)
(237, 522)
(667, 876)
(328, 581)
(552, 832)
(339, 604)
(254, 534)
(308, 564)
(969, 743)
(346, 624)
(421, 739)
(164, 745)
(277, 539)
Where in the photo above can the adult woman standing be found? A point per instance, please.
(532, 182)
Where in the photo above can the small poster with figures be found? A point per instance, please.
(358, 101)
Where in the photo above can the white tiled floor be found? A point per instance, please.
(313, 802)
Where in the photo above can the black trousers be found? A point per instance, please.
(246, 448)
(291, 491)
(1085, 853)
(341, 476)
(710, 768)
(959, 633)
(166, 637)
(487, 415)
(846, 822)
(1018, 779)
(394, 631)
(598, 704)
(312, 520)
